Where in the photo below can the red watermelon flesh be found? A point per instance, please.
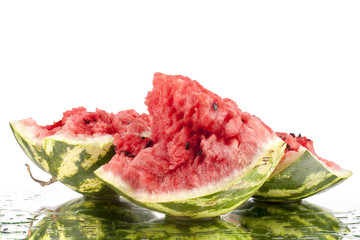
(79, 121)
(196, 139)
(295, 142)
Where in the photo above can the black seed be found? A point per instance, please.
(288, 147)
(142, 138)
(86, 121)
(149, 144)
(215, 106)
(242, 120)
(299, 135)
(292, 134)
(128, 154)
(187, 146)
(199, 153)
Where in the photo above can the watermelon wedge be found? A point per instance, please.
(72, 148)
(300, 173)
(204, 156)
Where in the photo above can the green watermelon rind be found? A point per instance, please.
(217, 202)
(306, 176)
(72, 161)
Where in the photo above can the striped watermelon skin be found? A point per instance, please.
(296, 220)
(217, 203)
(304, 177)
(70, 162)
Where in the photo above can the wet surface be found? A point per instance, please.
(32, 216)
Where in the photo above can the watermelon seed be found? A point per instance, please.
(128, 154)
(215, 106)
(86, 121)
(187, 146)
(149, 144)
(299, 135)
(199, 153)
(292, 134)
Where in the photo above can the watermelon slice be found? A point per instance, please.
(300, 173)
(204, 156)
(72, 148)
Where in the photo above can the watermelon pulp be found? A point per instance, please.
(200, 144)
(72, 148)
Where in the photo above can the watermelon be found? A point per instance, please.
(85, 218)
(300, 173)
(72, 148)
(295, 220)
(204, 156)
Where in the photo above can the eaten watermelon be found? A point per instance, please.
(300, 173)
(204, 156)
(72, 148)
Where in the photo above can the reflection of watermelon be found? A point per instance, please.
(117, 219)
(297, 220)
(300, 173)
(85, 218)
(205, 157)
(176, 229)
(72, 148)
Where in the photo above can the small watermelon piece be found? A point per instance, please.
(72, 148)
(204, 156)
(296, 220)
(300, 173)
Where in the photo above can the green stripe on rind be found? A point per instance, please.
(67, 164)
(305, 177)
(216, 203)
(71, 163)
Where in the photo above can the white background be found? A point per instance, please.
(295, 64)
